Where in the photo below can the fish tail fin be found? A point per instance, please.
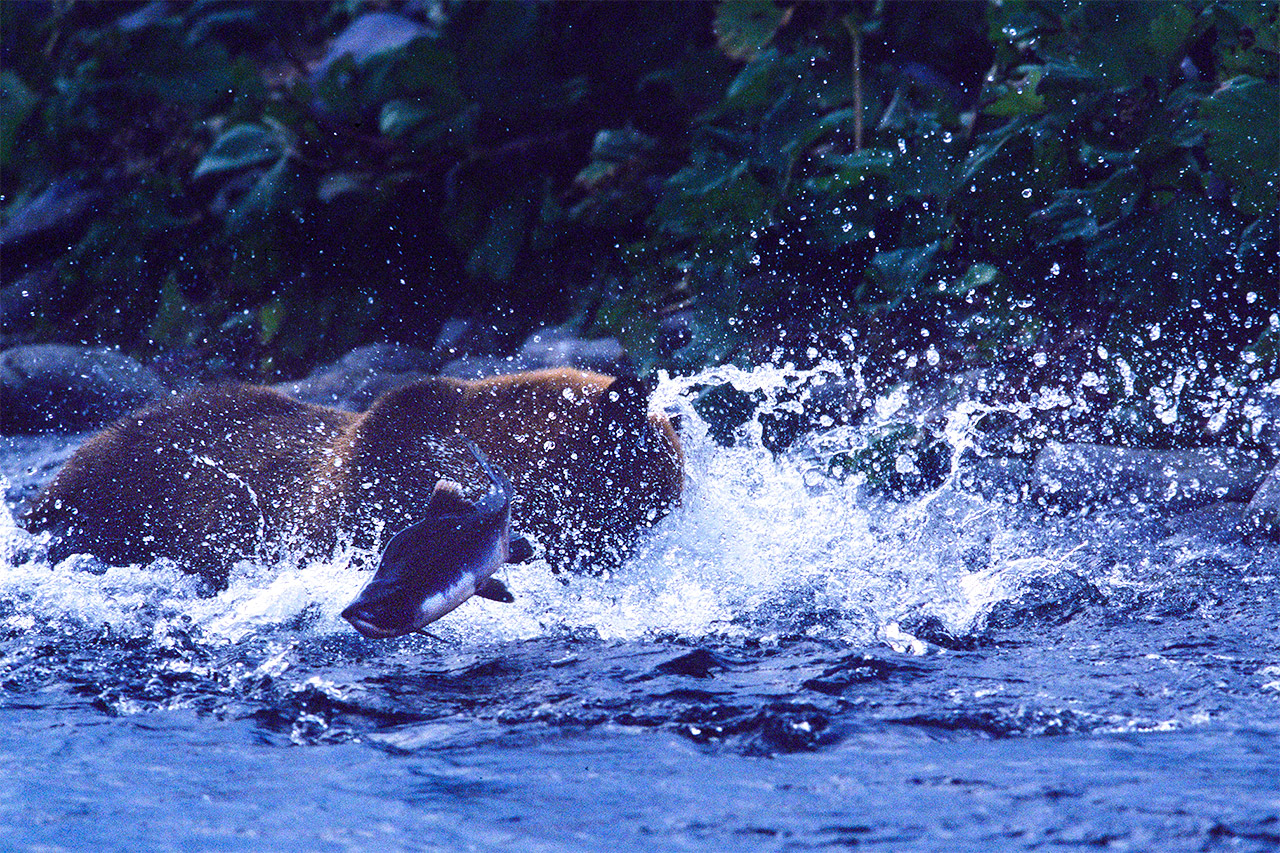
(495, 475)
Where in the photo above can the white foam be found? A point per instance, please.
(762, 545)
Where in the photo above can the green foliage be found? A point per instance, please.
(17, 102)
(743, 27)
(1241, 142)
(239, 147)
(1164, 256)
(899, 460)
(1086, 171)
(996, 169)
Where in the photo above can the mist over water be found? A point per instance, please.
(788, 613)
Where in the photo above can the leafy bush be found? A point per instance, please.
(277, 182)
(274, 183)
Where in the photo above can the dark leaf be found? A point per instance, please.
(16, 105)
(743, 27)
(494, 257)
(1158, 258)
(1241, 141)
(900, 272)
(278, 193)
(1019, 97)
(368, 35)
(239, 147)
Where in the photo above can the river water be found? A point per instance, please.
(790, 661)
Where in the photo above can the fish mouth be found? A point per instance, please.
(369, 625)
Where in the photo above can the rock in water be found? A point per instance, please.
(1077, 474)
(60, 388)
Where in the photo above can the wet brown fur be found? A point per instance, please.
(229, 472)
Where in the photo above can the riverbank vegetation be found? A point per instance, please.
(1089, 188)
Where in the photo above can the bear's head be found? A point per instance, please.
(622, 469)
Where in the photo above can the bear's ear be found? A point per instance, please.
(623, 407)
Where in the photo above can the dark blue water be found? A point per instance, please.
(788, 663)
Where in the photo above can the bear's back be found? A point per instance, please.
(199, 477)
(589, 465)
(211, 477)
(528, 422)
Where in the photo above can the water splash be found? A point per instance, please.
(766, 544)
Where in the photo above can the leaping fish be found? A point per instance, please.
(435, 564)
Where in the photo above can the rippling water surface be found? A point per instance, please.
(789, 662)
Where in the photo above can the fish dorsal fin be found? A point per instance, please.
(447, 499)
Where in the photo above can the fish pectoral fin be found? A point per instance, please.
(495, 590)
(519, 550)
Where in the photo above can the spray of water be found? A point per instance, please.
(765, 545)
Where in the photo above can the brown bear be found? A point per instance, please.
(240, 471)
